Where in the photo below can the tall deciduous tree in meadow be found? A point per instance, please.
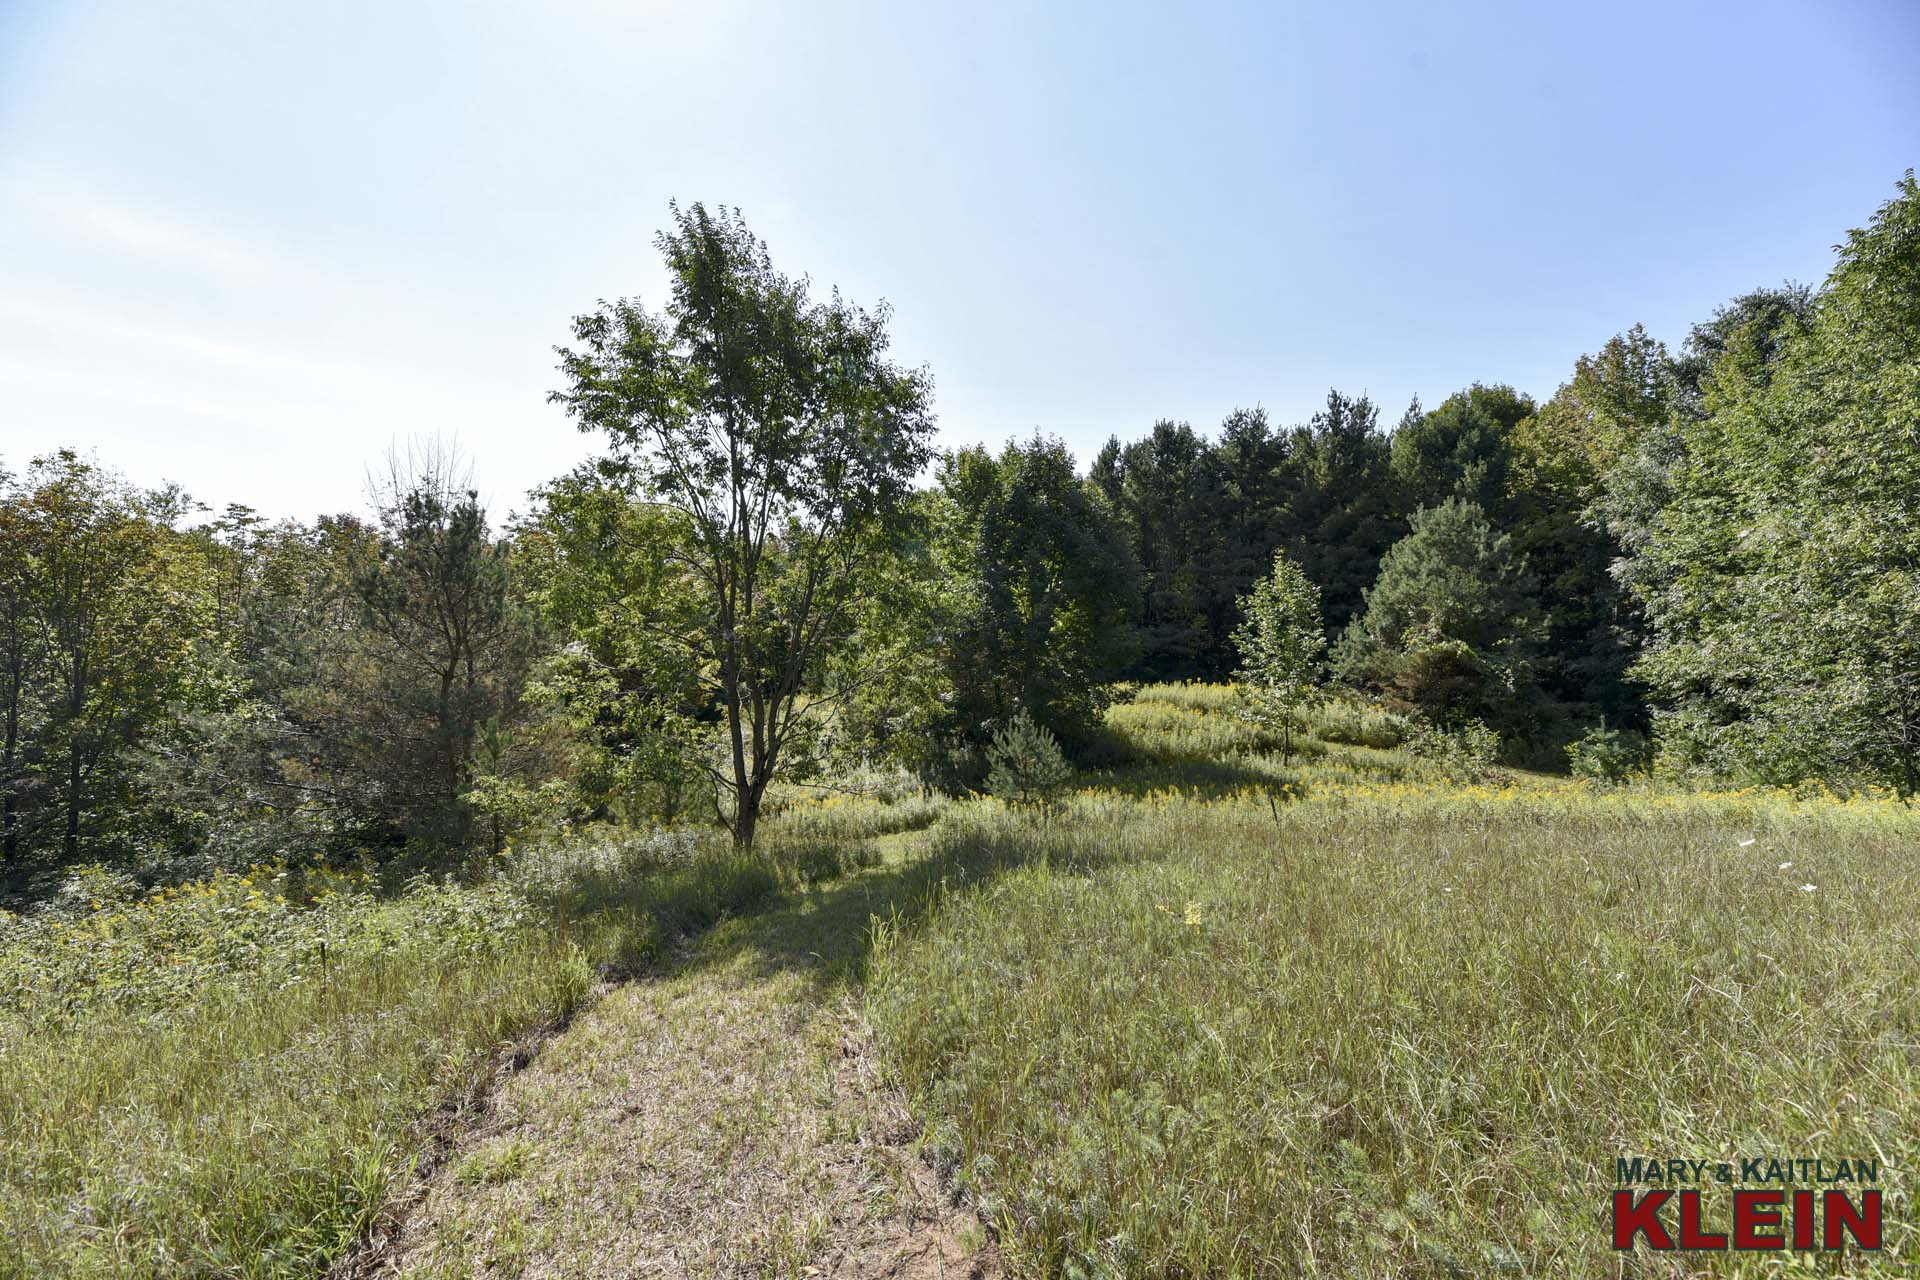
(786, 441)
(1280, 641)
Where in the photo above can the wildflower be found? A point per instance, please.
(1785, 865)
(1806, 888)
(1193, 914)
(1745, 843)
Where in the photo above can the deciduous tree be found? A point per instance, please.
(1280, 640)
(785, 440)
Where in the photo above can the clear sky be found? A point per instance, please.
(246, 246)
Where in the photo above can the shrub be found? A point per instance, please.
(1608, 755)
(1024, 763)
(1467, 751)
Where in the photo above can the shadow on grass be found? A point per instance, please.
(826, 933)
(1190, 775)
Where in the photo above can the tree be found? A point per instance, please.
(450, 647)
(1601, 426)
(1280, 641)
(785, 442)
(602, 568)
(1782, 578)
(1344, 512)
(108, 627)
(1259, 484)
(1761, 320)
(1166, 490)
(1025, 765)
(1635, 485)
(20, 657)
(1449, 627)
(1460, 449)
(1044, 621)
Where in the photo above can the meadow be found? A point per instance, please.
(1400, 1024)
(232, 1077)
(1379, 1010)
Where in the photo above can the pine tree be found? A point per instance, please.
(1025, 765)
(1449, 627)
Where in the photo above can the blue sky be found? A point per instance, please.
(248, 246)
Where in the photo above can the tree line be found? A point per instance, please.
(1706, 556)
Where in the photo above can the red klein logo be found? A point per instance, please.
(1767, 1217)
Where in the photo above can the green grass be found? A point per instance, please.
(229, 1079)
(1217, 1014)
(1400, 1027)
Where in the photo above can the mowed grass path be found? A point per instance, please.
(723, 1119)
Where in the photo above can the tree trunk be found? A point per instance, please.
(70, 846)
(9, 762)
(9, 794)
(746, 817)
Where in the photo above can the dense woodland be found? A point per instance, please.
(1701, 561)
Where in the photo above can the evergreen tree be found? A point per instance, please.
(1345, 512)
(1168, 495)
(1024, 763)
(1047, 585)
(1450, 627)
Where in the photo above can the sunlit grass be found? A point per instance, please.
(224, 1079)
(1324, 1024)
(1216, 1014)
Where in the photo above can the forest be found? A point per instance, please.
(1694, 562)
(1264, 849)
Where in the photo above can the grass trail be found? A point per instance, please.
(721, 1120)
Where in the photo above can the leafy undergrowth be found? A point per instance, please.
(1402, 1027)
(228, 1078)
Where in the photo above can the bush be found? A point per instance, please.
(1358, 724)
(1608, 755)
(1024, 763)
(1466, 751)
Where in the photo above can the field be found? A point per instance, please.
(1367, 1013)
(231, 1079)
(1401, 1028)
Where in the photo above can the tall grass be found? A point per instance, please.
(230, 1078)
(1404, 1028)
